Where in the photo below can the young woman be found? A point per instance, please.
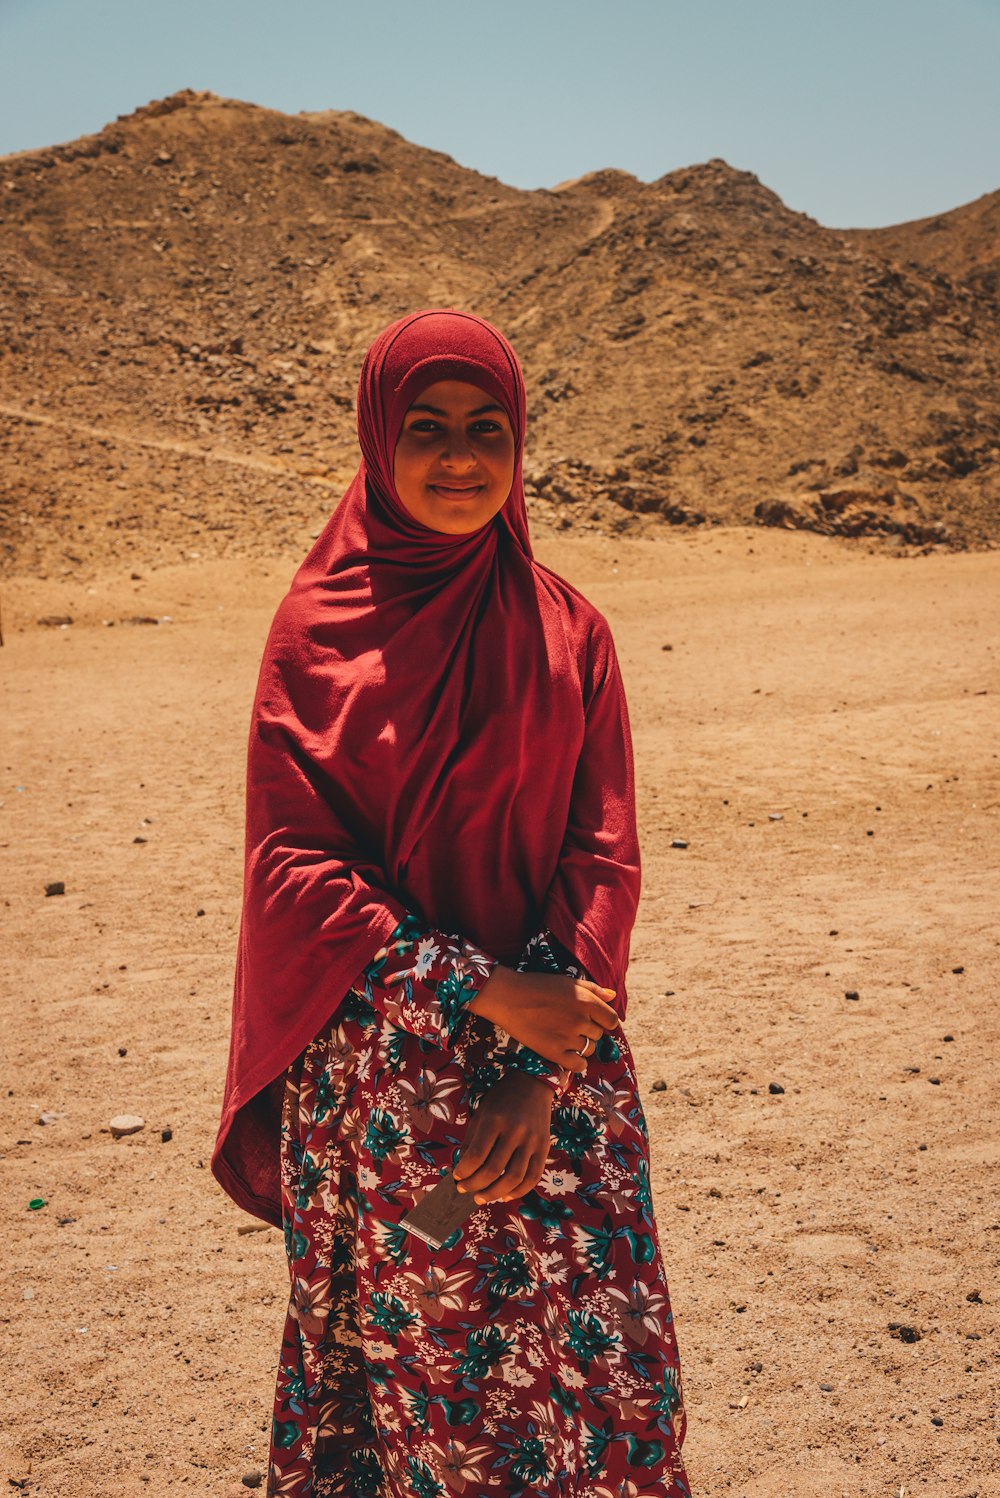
(441, 880)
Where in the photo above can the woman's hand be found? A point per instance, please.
(552, 1014)
(508, 1141)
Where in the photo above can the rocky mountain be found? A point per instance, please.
(186, 296)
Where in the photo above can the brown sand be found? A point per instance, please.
(855, 697)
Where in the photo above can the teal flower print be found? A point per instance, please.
(366, 1471)
(325, 1096)
(284, 1433)
(668, 1394)
(453, 994)
(588, 1337)
(390, 1314)
(425, 1484)
(484, 1348)
(530, 1464)
(509, 1275)
(564, 1399)
(383, 1134)
(643, 1194)
(575, 1131)
(310, 1180)
(643, 1453)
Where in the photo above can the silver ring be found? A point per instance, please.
(586, 1043)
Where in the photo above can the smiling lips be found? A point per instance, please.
(456, 491)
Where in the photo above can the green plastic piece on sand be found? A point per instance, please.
(35, 1203)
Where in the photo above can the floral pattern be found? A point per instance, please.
(534, 1354)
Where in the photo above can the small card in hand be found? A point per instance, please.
(440, 1212)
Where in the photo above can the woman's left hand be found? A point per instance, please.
(508, 1140)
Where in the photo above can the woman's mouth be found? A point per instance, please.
(456, 491)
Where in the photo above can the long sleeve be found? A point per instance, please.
(591, 903)
(423, 980)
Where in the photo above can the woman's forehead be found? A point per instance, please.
(456, 398)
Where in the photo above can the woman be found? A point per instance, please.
(441, 880)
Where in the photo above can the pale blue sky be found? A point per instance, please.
(859, 112)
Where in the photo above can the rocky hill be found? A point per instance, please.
(186, 296)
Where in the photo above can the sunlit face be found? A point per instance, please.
(454, 461)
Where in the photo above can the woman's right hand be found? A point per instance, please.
(548, 1012)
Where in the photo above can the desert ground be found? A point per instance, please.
(817, 722)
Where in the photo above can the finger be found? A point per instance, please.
(533, 1172)
(602, 993)
(495, 1170)
(488, 1170)
(476, 1150)
(502, 1186)
(602, 1014)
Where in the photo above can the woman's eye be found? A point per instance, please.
(487, 427)
(424, 425)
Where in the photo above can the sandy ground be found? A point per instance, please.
(823, 734)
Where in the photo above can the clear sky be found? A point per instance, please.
(859, 112)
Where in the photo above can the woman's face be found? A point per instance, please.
(454, 462)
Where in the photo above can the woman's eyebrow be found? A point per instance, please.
(436, 410)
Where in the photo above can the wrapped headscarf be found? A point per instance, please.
(439, 728)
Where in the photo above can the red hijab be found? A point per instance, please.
(439, 728)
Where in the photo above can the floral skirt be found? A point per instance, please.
(534, 1354)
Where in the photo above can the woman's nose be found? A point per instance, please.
(458, 451)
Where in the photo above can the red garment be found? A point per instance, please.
(439, 728)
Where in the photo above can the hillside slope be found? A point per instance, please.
(186, 296)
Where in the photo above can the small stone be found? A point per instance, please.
(251, 1479)
(666, 647)
(659, 1085)
(199, 912)
(678, 842)
(936, 1420)
(166, 1135)
(948, 1037)
(904, 1333)
(122, 1050)
(852, 993)
(125, 1123)
(775, 1088)
(56, 621)
(934, 1081)
(974, 1298)
(49, 1118)
(958, 969)
(57, 887)
(827, 1388)
(140, 839)
(775, 816)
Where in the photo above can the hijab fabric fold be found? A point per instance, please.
(439, 728)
